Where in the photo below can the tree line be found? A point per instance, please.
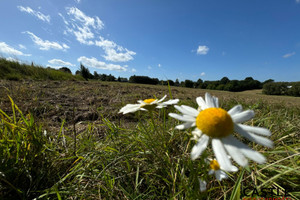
(282, 88)
(269, 86)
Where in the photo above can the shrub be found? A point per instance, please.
(143, 80)
(282, 88)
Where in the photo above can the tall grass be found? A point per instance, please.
(13, 70)
(148, 160)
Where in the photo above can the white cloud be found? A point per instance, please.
(85, 29)
(133, 70)
(105, 44)
(202, 50)
(202, 74)
(83, 35)
(21, 46)
(119, 55)
(77, 1)
(289, 54)
(41, 16)
(159, 65)
(79, 16)
(54, 67)
(82, 25)
(60, 62)
(12, 59)
(114, 52)
(46, 44)
(297, 1)
(149, 67)
(93, 62)
(65, 21)
(6, 49)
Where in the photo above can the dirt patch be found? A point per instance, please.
(52, 102)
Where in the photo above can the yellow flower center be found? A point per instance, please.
(215, 122)
(214, 165)
(149, 100)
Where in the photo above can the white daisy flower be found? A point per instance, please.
(202, 184)
(147, 104)
(217, 170)
(218, 125)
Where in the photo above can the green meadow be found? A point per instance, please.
(66, 140)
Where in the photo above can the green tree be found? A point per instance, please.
(85, 72)
(188, 83)
(224, 80)
(198, 83)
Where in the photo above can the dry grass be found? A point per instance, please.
(124, 157)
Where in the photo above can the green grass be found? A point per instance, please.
(13, 70)
(129, 157)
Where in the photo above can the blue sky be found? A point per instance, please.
(165, 39)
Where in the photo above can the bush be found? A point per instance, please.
(143, 80)
(282, 88)
(188, 83)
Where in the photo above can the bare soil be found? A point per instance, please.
(78, 102)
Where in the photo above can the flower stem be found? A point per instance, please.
(152, 120)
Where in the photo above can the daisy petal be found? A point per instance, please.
(197, 132)
(256, 130)
(167, 103)
(209, 100)
(187, 110)
(202, 184)
(243, 116)
(250, 153)
(162, 99)
(219, 174)
(171, 102)
(185, 118)
(234, 152)
(252, 137)
(185, 125)
(216, 102)
(235, 110)
(201, 103)
(199, 147)
(221, 155)
(191, 110)
(129, 108)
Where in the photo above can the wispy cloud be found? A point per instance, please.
(46, 44)
(119, 54)
(64, 19)
(38, 14)
(81, 25)
(159, 65)
(297, 1)
(202, 74)
(78, 16)
(77, 1)
(289, 54)
(93, 62)
(202, 50)
(21, 46)
(133, 70)
(86, 28)
(149, 67)
(114, 52)
(60, 62)
(12, 59)
(6, 49)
